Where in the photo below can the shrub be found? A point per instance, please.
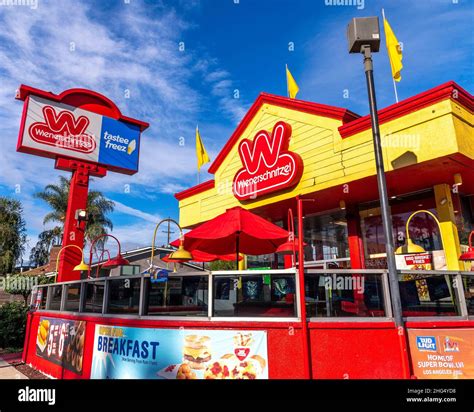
(12, 324)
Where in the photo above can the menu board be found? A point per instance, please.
(61, 341)
(144, 353)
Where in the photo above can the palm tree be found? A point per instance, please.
(98, 206)
(12, 234)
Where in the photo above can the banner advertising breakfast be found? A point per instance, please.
(142, 353)
(442, 353)
(61, 341)
(54, 129)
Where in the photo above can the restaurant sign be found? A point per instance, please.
(53, 129)
(145, 353)
(268, 166)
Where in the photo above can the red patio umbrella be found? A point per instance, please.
(199, 256)
(236, 231)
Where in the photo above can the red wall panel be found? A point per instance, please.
(355, 353)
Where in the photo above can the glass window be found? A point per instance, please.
(94, 297)
(73, 297)
(468, 284)
(326, 236)
(130, 270)
(427, 295)
(341, 295)
(43, 291)
(124, 296)
(254, 296)
(179, 296)
(463, 209)
(270, 261)
(424, 230)
(56, 293)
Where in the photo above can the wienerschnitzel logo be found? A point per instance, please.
(63, 130)
(268, 166)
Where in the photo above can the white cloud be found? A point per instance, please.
(122, 208)
(78, 44)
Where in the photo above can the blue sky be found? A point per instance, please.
(115, 46)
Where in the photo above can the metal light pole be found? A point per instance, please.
(383, 194)
(363, 35)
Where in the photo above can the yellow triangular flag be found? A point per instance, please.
(394, 51)
(201, 154)
(292, 87)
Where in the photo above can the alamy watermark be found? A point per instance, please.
(402, 140)
(335, 282)
(360, 4)
(18, 283)
(32, 4)
(28, 394)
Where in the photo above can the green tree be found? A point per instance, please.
(56, 196)
(12, 234)
(39, 254)
(12, 324)
(222, 265)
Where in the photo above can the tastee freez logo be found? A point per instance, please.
(268, 166)
(63, 130)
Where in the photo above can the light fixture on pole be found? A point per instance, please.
(409, 247)
(80, 267)
(457, 179)
(100, 259)
(289, 247)
(180, 255)
(117, 261)
(469, 255)
(363, 35)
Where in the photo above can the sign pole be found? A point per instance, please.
(74, 230)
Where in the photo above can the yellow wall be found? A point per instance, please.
(438, 130)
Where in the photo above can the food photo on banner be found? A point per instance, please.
(61, 341)
(139, 353)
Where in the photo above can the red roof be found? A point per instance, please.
(333, 112)
(410, 105)
(352, 123)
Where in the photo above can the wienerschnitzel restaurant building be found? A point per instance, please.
(248, 324)
(326, 153)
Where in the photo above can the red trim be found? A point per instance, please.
(410, 105)
(351, 325)
(19, 143)
(85, 99)
(202, 187)
(160, 322)
(333, 112)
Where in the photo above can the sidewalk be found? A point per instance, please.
(8, 371)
